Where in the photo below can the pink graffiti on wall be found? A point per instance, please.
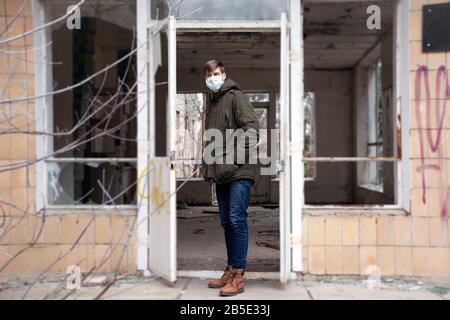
(430, 134)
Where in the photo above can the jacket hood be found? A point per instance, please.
(227, 86)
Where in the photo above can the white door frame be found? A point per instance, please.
(291, 61)
(296, 57)
(291, 141)
(145, 147)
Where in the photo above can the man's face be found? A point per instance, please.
(216, 73)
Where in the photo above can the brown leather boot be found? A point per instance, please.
(235, 283)
(219, 283)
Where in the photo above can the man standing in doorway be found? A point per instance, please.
(229, 109)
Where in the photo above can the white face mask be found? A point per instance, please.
(214, 83)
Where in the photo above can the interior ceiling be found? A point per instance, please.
(234, 49)
(118, 12)
(336, 37)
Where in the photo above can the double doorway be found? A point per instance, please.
(259, 56)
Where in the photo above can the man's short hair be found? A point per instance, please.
(212, 65)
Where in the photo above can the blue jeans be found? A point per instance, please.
(233, 199)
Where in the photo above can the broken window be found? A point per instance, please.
(92, 153)
(349, 67)
(374, 174)
(258, 97)
(105, 183)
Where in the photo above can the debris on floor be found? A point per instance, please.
(269, 244)
(181, 205)
(3, 286)
(95, 281)
(211, 211)
(439, 287)
(191, 215)
(271, 205)
(310, 287)
(268, 232)
(199, 231)
(206, 250)
(440, 290)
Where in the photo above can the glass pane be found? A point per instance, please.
(224, 9)
(160, 9)
(258, 97)
(309, 134)
(117, 12)
(277, 110)
(309, 139)
(161, 78)
(97, 118)
(190, 107)
(379, 103)
(91, 183)
(261, 114)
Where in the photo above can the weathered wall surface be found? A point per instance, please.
(415, 244)
(411, 244)
(31, 242)
(333, 112)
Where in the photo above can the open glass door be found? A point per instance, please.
(161, 170)
(162, 183)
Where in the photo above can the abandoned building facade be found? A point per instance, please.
(101, 130)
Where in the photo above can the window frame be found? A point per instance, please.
(401, 96)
